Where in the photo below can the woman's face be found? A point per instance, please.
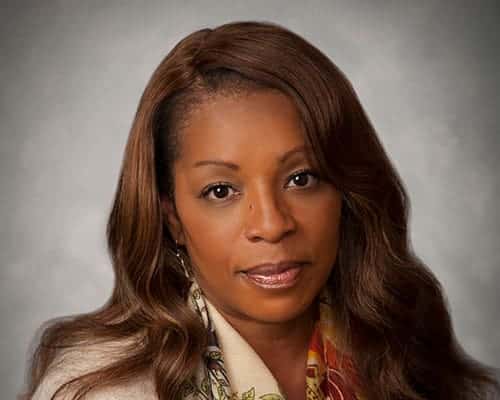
(246, 194)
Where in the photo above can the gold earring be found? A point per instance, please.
(185, 269)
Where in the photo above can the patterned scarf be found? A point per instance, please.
(238, 373)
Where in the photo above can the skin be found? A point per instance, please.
(259, 213)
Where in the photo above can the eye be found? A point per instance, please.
(304, 178)
(219, 190)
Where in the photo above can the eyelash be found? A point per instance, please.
(206, 191)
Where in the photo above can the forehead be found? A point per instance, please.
(241, 125)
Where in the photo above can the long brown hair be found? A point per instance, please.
(390, 308)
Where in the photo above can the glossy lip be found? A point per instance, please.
(274, 276)
(273, 268)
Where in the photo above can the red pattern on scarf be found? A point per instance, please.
(336, 383)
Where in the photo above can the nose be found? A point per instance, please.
(268, 217)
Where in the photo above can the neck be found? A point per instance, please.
(278, 343)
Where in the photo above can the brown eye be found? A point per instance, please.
(219, 191)
(300, 179)
(304, 178)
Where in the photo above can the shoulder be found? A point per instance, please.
(75, 362)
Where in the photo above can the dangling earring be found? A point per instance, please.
(186, 270)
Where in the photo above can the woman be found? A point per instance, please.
(260, 244)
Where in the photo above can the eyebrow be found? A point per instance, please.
(236, 167)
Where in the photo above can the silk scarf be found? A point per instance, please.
(232, 370)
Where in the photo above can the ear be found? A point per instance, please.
(172, 219)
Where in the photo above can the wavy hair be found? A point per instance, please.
(391, 311)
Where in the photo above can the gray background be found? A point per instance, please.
(71, 76)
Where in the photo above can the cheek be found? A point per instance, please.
(321, 225)
(208, 232)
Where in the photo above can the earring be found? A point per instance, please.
(186, 270)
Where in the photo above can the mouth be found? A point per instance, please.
(274, 276)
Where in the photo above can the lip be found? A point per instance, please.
(283, 275)
(269, 268)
